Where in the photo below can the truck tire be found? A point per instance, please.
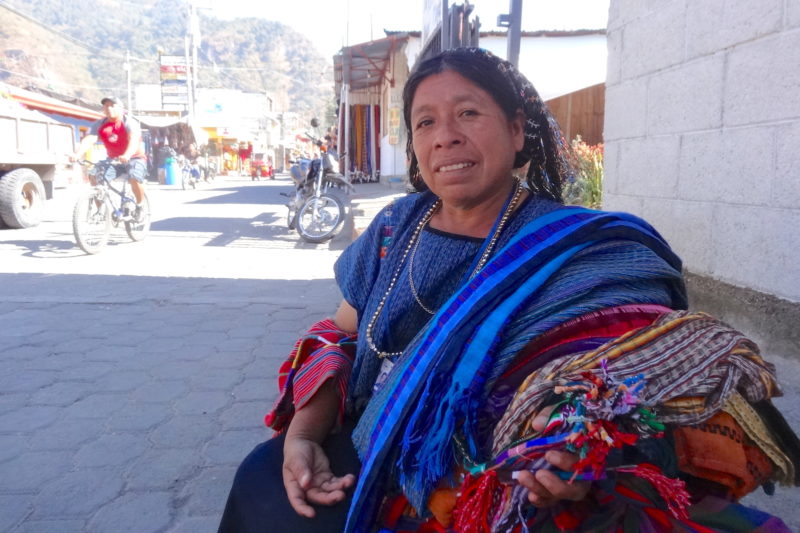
(21, 198)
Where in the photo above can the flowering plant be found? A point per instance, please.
(586, 186)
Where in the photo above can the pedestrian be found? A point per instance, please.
(502, 362)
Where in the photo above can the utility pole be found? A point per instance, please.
(445, 26)
(191, 43)
(189, 82)
(513, 21)
(195, 25)
(127, 66)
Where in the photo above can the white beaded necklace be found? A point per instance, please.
(412, 246)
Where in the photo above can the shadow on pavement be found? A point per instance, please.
(251, 226)
(54, 249)
(245, 195)
(84, 288)
(248, 232)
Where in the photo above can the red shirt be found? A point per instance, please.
(117, 134)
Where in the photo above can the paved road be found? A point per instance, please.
(134, 381)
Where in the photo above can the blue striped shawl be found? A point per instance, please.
(437, 385)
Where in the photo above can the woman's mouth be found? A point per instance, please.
(455, 166)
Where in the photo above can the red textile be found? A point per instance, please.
(610, 322)
(325, 352)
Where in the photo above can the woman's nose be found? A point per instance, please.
(448, 134)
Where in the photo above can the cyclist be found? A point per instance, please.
(122, 136)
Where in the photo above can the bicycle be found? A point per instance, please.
(97, 209)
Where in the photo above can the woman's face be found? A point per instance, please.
(464, 143)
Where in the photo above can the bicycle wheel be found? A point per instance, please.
(319, 218)
(91, 223)
(138, 228)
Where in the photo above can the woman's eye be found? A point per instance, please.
(469, 113)
(423, 123)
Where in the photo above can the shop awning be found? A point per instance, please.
(200, 135)
(366, 64)
(160, 122)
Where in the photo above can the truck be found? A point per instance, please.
(34, 153)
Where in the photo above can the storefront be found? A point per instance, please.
(369, 79)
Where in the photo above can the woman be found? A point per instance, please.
(428, 386)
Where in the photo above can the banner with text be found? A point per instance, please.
(174, 80)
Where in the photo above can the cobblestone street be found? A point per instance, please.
(134, 381)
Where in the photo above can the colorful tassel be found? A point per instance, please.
(476, 502)
(672, 491)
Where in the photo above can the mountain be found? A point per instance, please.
(79, 48)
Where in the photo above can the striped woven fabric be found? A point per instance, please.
(442, 376)
(692, 367)
(325, 352)
(693, 364)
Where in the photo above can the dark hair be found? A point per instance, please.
(545, 147)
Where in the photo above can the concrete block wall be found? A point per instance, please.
(702, 133)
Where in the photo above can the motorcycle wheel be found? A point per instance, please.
(91, 223)
(319, 218)
(187, 182)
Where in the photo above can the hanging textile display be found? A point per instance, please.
(341, 139)
(365, 142)
(377, 140)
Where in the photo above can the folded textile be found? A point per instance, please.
(325, 352)
(692, 364)
(718, 450)
(440, 381)
(755, 428)
(684, 369)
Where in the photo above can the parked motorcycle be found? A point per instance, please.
(317, 209)
(191, 172)
(211, 169)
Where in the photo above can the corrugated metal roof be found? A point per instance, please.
(365, 65)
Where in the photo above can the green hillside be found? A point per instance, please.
(77, 48)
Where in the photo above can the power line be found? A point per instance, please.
(221, 69)
(73, 40)
(62, 84)
(215, 67)
(103, 53)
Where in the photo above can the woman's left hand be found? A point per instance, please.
(545, 488)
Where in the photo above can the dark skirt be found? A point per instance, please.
(257, 502)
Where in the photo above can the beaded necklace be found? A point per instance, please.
(411, 248)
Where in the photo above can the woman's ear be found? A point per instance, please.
(518, 130)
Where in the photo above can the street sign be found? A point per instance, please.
(174, 80)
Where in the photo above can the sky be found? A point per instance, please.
(331, 24)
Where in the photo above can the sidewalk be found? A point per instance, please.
(367, 201)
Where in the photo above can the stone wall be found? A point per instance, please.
(702, 132)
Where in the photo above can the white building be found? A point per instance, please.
(558, 63)
(703, 140)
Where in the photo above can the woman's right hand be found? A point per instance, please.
(545, 488)
(308, 478)
(307, 474)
